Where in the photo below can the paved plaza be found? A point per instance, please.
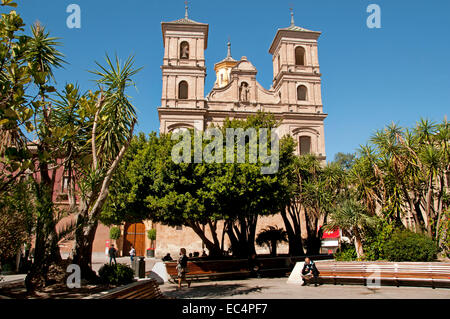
(275, 288)
(278, 288)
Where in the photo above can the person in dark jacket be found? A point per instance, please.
(182, 268)
(167, 257)
(310, 271)
(112, 255)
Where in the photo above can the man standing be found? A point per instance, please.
(310, 271)
(112, 255)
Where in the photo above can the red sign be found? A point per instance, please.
(107, 244)
(331, 233)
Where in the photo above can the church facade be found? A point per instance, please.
(294, 98)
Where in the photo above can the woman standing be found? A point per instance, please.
(182, 268)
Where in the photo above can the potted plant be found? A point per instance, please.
(151, 234)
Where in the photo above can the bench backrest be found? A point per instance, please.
(210, 266)
(386, 269)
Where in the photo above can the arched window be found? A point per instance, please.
(184, 50)
(299, 56)
(305, 145)
(302, 93)
(183, 90)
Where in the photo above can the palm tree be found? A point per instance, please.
(109, 133)
(270, 237)
(351, 216)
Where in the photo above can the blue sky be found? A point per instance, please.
(371, 77)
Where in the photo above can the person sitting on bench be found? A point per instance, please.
(310, 271)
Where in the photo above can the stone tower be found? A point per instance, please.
(297, 81)
(183, 69)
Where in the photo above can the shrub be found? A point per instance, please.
(114, 233)
(405, 245)
(151, 234)
(376, 239)
(119, 274)
(346, 252)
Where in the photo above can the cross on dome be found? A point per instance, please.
(292, 16)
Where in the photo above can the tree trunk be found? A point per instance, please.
(84, 239)
(294, 239)
(359, 247)
(213, 247)
(428, 206)
(273, 251)
(242, 237)
(46, 250)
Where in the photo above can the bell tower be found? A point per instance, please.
(183, 68)
(296, 72)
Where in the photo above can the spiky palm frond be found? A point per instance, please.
(117, 114)
(42, 54)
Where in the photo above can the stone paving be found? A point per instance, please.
(278, 288)
(97, 262)
(275, 288)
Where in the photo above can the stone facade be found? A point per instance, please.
(294, 98)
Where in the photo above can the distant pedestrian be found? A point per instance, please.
(182, 268)
(112, 255)
(167, 257)
(204, 254)
(310, 271)
(132, 253)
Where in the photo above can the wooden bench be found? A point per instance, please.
(210, 269)
(386, 273)
(145, 289)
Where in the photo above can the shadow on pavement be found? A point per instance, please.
(210, 290)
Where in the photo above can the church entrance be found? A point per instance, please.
(134, 235)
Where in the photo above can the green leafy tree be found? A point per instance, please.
(200, 195)
(114, 233)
